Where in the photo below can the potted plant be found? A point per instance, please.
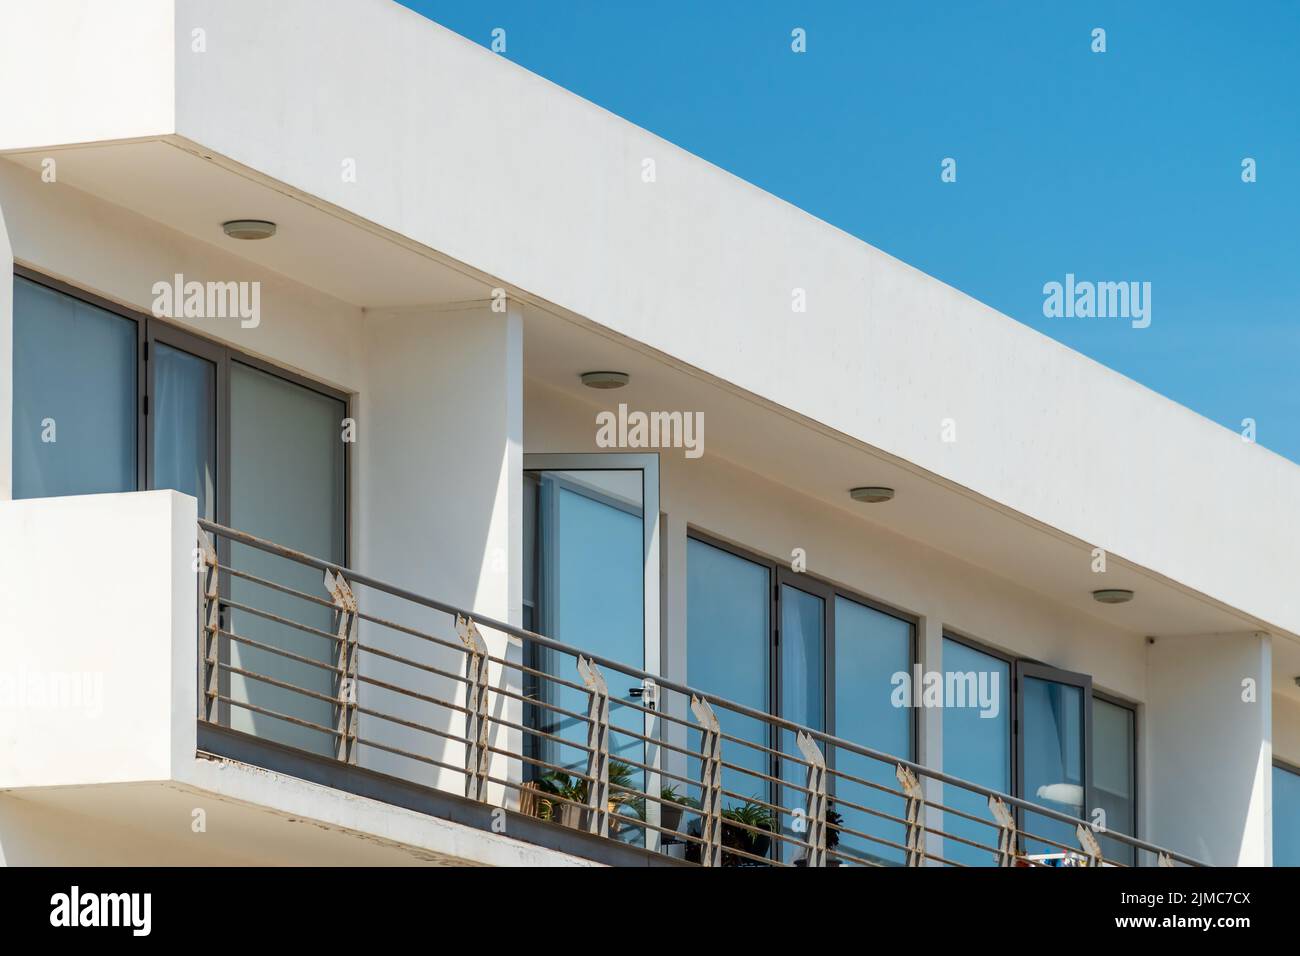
(752, 817)
(672, 802)
(570, 809)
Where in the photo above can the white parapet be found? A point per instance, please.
(98, 611)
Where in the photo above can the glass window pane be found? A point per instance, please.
(1286, 817)
(1112, 775)
(728, 623)
(185, 425)
(75, 397)
(803, 666)
(1053, 749)
(287, 485)
(870, 648)
(976, 747)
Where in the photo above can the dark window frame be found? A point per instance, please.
(780, 575)
(150, 329)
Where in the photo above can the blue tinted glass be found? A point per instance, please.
(870, 648)
(728, 640)
(1286, 817)
(976, 747)
(287, 484)
(1112, 775)
(591, 582)
(803, 666)
(74, 406)
(185, 425)
(1053, 749)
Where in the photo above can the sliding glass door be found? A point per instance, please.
(593, 580)
(976, 747)
(288, 485)
(1054, 713)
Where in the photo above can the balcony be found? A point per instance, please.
(316, 683)
(307, 675)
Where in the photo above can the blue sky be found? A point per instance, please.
(1115, 166)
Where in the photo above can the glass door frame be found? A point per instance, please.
(1026, 669)
(652, 547)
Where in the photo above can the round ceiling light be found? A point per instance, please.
(605, 379)
(248, 229)
(872, 495)
(1112, 596)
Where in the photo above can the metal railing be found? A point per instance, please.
(536, 728)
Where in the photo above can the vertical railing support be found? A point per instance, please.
(816, 798)
(1161, 860)
(1091, 848)
(209, 631)
(1006, 820)
(345, 678)
(710, 782)
(598, 748)
(914, 813)
(476, 705)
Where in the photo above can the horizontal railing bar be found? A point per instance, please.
(428, 668)
(276, 714)
(412, 632)
(763, 776)
(263, 678)
(537, 702)
(525, 669)
(853, 858)
(883, 841)
(538, 733)
(414, 725)
(279, 619)
(409, 755)
(284, 589)
(828, 740)
(866, 783)
(376, 682)
(290, 655)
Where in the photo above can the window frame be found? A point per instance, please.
(151, 329)
(779, 575)
(1027, 668)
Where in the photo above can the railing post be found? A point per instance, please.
(209, 632)
(816, 798)
(1006, 820)
(913, 811)
(1161, 860)
(1091, 848)
(598, 748)
(476, 703)
(710, 782)
(345, 695)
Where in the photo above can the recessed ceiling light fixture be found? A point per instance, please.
(873, 494)
(605, 379)
(248, 229)
(1112, 596)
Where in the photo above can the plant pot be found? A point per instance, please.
(571, 815)
(670, 816)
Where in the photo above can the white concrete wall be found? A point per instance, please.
(452, 142)
(98, 613)
(87, 70)
(6, 359)
(1207, 778)
(441, 512)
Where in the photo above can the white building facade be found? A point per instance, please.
(392, 385)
